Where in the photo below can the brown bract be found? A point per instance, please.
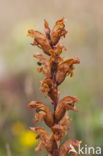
(55, 70)
(47, 29)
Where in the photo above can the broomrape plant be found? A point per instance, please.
(55, 70)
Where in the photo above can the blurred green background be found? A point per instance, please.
(20, 81)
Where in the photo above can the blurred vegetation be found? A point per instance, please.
(20, 81)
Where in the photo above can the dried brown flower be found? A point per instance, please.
(43, 112)
(55, 70)
(40, 40)
(67, 103)
(58, 31)
(65, 148)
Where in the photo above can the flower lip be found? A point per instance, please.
(35, 104)
(77, 60)
(70, 103)
(75, 99)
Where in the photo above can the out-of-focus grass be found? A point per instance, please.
(20, 81)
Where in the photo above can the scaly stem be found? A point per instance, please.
(55, 102)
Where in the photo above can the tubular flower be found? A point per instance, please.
(47, 140)
(55, 70)
(58, 31)
(67, 103)
(66, 68)
(43, 112)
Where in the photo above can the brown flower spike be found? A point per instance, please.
(55, 70)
